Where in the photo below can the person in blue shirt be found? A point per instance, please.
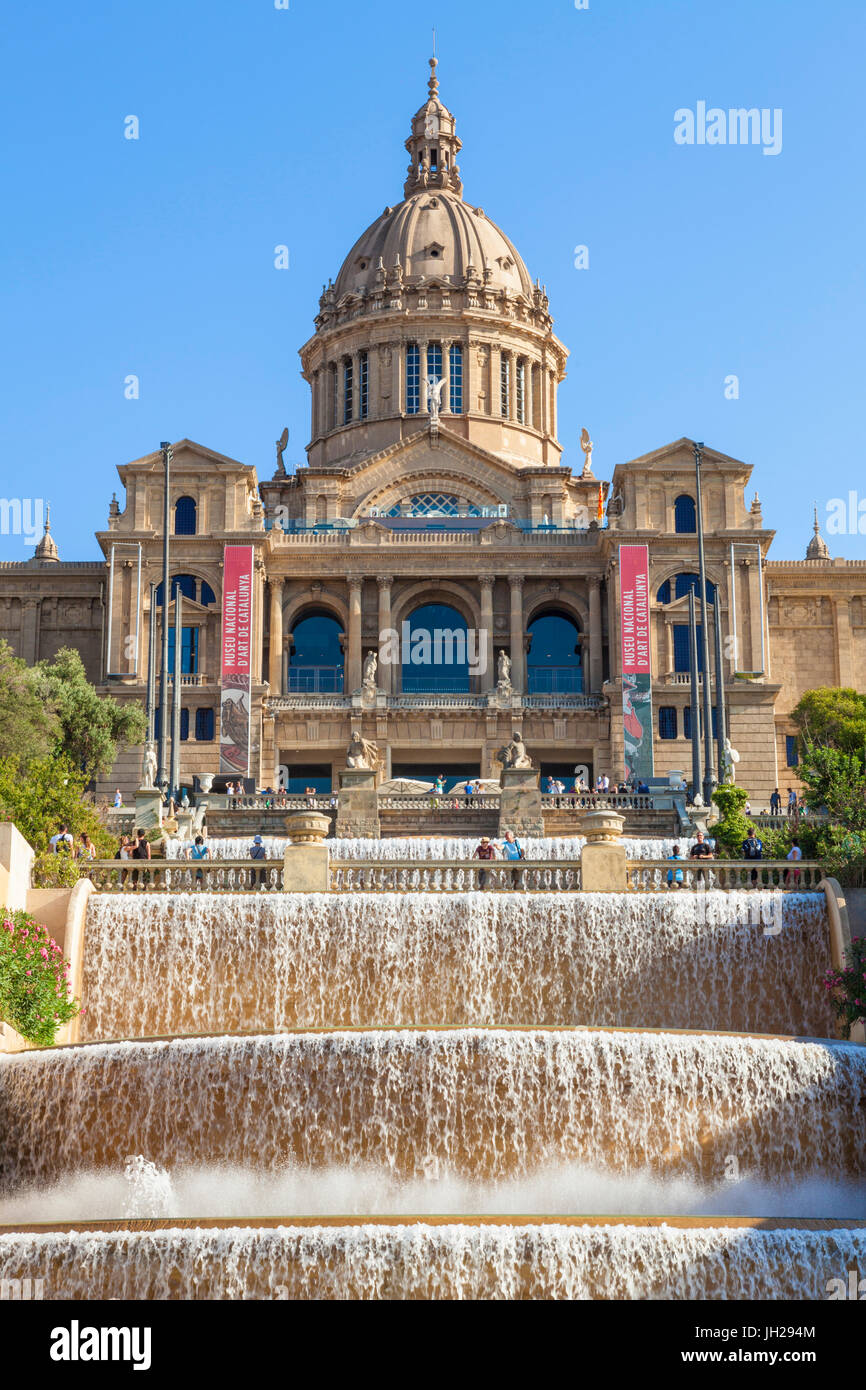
(199, 851)
(675, 876)
(753, 848)
(257, 851)
(511, 849)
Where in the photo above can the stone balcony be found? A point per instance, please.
(436, 700)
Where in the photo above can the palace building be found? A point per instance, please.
(437, 498)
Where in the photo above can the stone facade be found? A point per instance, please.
(435, 475)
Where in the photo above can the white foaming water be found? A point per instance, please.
(475, 1104)
(224, 1192)
(440, 1261)
(200, 962)
(149, 1190)
(430, 847)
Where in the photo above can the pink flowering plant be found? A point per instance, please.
(847, 987)
(34, 980)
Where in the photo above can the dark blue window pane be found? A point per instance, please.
(681, 646)
(184, 725)
(436, 656)
(792, 752)
(184, 516)
(664, 593)
(316, 656)
(685, 515)
(204, 725)
(667, 721)
(554, 661)
(188, 650)
(185, 584)
(685, 582)
(207, 594)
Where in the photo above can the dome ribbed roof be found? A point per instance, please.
(434, 234)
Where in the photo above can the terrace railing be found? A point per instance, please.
(446, 876)
(655, 875)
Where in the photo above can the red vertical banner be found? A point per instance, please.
(237, 660)
(634, 621)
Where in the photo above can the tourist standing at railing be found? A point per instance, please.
(794, 854)
(512, 849)
(141, 850)
(675, 876)
(257, 851)
(310, 794)
(124, 852)
(118, 799)
(199, 851)
(484, 850)
(470, 791)
(86, 848)
(701, 849)
(792, 802)
(439, 784)
(62, 842)
(775, 803)
(753, 848)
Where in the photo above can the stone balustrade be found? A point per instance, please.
(651, 875)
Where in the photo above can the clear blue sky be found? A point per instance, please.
(262, 126)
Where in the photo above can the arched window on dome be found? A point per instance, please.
(348, 389)
(413, 379)
(334, 394)
(363, 385)
(505, 386)
(455, 372)
(434, 360)
(685, 515)
(521, 391)
(184, 516)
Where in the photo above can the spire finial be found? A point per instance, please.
(433, 84)
(48, 517)
(816, 527)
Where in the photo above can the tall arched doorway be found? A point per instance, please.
(316, 655)
(435, 655)
(554, 665)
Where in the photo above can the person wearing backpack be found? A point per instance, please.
(753, 848)
(257, 851)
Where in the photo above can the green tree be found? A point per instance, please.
(28, 721)
(49, 793)
(832, 718)
(836, 780)
(732, 829)
(92, 727)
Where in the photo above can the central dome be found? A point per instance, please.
(434, 234)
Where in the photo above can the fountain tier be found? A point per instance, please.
(427, 1261)
(472, 1103)
(198, 962)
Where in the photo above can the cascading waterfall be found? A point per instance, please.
(477, 1104)
(440, 1261)
(443, 847)
(745, 961)
(459, 1061)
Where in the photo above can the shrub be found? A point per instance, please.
(847, 986)
(52, 870)
(34, 988)
(843, 855)
(730, 832)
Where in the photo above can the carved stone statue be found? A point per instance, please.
(362, 753)
(281, 445)
(149, 767)
(730, 758)
(586, 446)
(435, 387)
(368, 679)
(503, 674)
(514, 753)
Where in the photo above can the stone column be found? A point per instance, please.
(529, 396)
(423, 404)
(275, 657)
(386, 669)
(488, 680)
(553, 404)
(397, 361)
(844, 641)
(374, 409)
(518, 655)
(595, 666)
(353, 664)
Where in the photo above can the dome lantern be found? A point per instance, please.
(433, 145)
